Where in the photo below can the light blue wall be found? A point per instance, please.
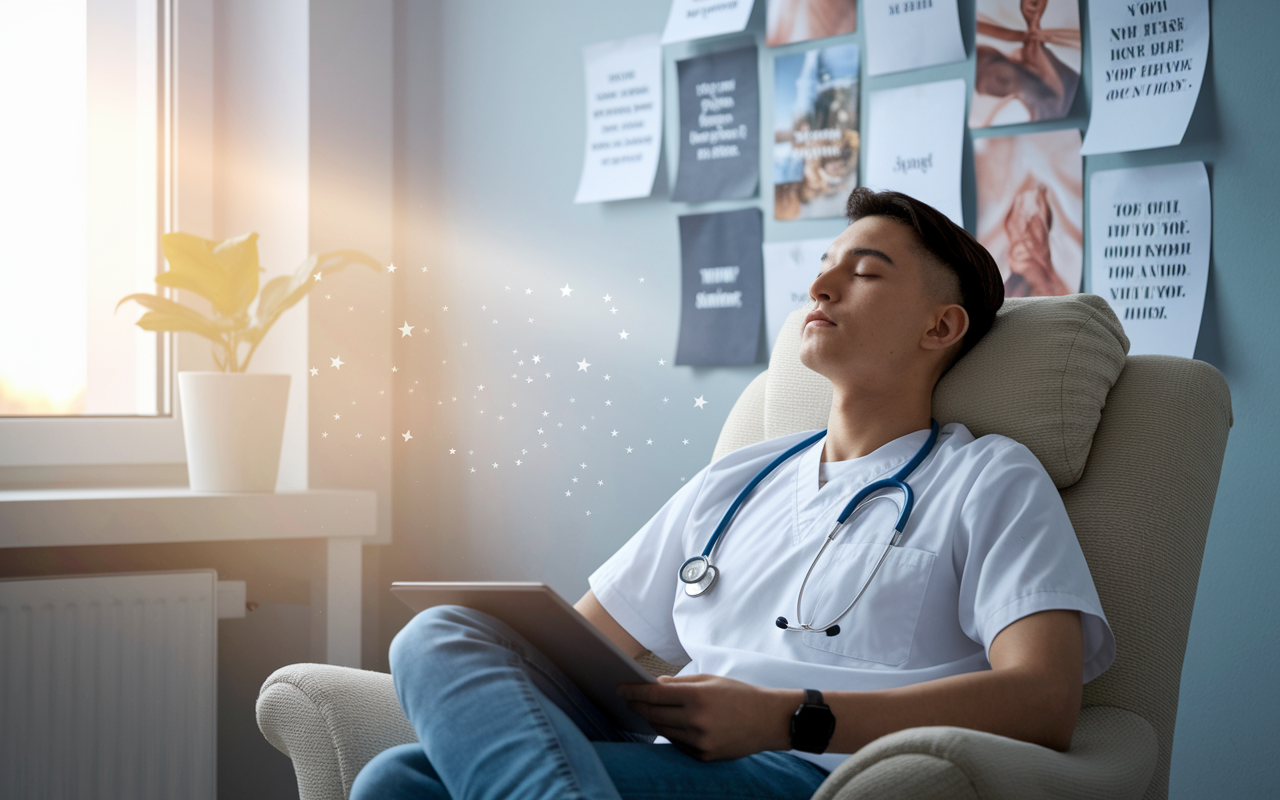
(489, 136)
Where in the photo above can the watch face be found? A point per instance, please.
(811, 728)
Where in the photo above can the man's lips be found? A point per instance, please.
(819, 319)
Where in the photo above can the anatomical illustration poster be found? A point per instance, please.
(1028, 54)
(1030, 210)
(815, 132)
(790, 21)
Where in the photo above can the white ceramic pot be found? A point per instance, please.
(233, 423)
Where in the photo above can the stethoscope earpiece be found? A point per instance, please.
(781, 622)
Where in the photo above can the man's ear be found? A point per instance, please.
(950, 324)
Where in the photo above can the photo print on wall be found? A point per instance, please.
(790, 21)
(815, 132)
(1031, 210)
(1028, 54)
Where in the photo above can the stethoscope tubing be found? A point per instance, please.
(897, 481)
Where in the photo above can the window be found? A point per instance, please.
(83, 200)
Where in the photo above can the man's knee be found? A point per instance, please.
(434, 626)
(400, 772)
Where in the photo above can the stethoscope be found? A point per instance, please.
(699, 575)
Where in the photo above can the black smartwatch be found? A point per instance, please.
(812, 724)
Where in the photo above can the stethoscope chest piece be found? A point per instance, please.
(698, 576)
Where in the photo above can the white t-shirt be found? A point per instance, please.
(988, 542)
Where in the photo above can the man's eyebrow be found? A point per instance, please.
(862, 251)
(868, 251)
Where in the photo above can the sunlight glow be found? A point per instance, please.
(78, 205)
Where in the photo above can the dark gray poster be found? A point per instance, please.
(723, 288)
(719, 127)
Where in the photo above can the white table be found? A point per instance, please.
(343, 518)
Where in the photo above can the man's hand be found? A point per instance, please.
(712, 718)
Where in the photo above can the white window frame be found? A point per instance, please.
(79, 441)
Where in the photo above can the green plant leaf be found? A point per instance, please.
(280, 294)
(184, 318)
(224, 273)
(163, 321)
(273, 294)
(239, 257)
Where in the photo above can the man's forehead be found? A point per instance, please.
(871, 236)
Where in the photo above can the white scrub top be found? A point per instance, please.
(988, 542)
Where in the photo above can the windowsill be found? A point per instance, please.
(142, 515)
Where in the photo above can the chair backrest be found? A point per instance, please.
(1134, 444)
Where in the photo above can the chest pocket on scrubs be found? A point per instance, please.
(882, 625)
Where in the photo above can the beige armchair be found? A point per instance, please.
(1134, 444)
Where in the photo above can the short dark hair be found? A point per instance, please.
(981, 287)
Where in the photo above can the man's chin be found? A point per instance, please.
(811, 355)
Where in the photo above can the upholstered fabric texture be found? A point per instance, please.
(1135, 444)
(1041, 376)
(331, 721)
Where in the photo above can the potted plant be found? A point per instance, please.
(232, 421)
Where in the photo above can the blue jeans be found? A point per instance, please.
(496, 719)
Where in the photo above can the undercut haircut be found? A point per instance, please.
(981, 287)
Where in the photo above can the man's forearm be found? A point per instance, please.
(1016, 703)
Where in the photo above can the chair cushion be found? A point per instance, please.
(1040, 376)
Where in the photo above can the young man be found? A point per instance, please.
(981, 614)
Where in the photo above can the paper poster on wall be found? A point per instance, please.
(1030, 210)
(719, 127)
(911, 34)
(1028, 54)
(915, 143)
(1149, 238)
(815, 132)
(721, 299)
(789, 21)
(1148, 63)
(624, 119)
(695, 19)
(789, 269)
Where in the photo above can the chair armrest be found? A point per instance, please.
(1113, 755)
(331, 721)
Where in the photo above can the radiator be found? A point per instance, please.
(108, 687)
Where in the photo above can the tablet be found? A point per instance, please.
(584, 654)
